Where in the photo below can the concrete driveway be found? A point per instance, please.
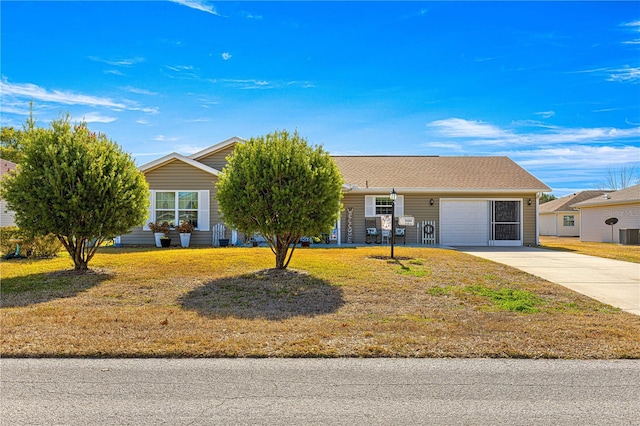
(612, 282)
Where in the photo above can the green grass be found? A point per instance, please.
(509, 299)
(227, 302)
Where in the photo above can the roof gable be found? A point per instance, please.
(467, 173)
(174, 156)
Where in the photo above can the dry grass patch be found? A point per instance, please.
(606, 250)
(333, 302)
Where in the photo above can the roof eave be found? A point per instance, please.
(400, 190)
(217, 147)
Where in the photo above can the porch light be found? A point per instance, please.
(431, 202)
(393, 196)
(529, 202)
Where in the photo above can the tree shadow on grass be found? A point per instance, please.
(269, 294)
(40, 288)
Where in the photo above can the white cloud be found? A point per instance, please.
(113, 72)
(545, 114)
(478, 133)
(576, 157)
(163, 138)
(626, 74)
(94, 117)
(118, 62)
(139, 91)
(460, 128)
(226, 56)
(201, 5)
(37, 93)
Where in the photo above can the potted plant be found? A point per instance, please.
(185, 229)
(165, 241)
(305, 241)
(160, 231)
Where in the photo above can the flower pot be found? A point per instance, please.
(224, 242)
(305, 243)
(165, 242)
(185, 239)
(158, 236)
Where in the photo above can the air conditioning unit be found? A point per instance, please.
(629, 236)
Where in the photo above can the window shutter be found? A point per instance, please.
(399, 210)
(369, 205)
(203, 210)
(152, 211)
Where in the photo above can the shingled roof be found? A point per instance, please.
(437, 173)
(565, 204)
(630, 195)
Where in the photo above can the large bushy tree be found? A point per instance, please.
(282, 188)
(78, 185)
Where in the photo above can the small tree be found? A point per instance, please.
(77, 185)
(282, 188)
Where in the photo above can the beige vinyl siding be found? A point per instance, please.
(6, 216)
(218, 159)
(179, 176)
(547, 223)
(593, 228)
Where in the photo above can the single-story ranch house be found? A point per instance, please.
(622, 205)
(459, 201)
(559, 218)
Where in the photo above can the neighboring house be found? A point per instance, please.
(559, 218)
(6, 216)
(478, 201)
(623, 205)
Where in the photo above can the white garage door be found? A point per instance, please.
(464, 223)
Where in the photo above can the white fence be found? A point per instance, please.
(426, 232)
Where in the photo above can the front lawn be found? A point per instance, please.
(351, 302)
(606, 250)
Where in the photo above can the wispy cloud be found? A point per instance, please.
(113, 72)
(226, 56)
(545, 114)
(163, 138)
(139, 91)
(94, 117)
(201, 5)
(479, 133)
(118, 62)
(576, 157)
(31, 91)
(624, 74)
(13, 93)
(634, 26)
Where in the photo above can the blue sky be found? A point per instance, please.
(553, 85)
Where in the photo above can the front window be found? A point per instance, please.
(383, 206)
(568, 220)
(176, 207)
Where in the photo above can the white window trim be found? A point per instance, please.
(572, 218)
(370, 205)
(203, 207)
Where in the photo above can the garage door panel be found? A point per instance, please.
(464, 222)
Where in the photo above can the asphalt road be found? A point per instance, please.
(319, 392)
